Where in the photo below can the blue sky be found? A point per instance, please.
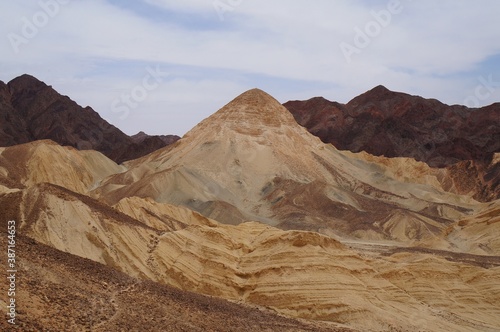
(206, 52)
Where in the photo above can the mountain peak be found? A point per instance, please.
(255, 93)
(251, 113)
(254, 100)
(37, 111)
(254, 108)
(25, 82)
(378, 93)
(380, 88)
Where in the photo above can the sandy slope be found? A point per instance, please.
(46, 161)
(479, 233)
(65, 293)
(301, 274)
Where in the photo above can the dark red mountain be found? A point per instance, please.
(31, 110)
(394, 124)
(141, 136)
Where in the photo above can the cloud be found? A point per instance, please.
(188, 6)
(95, 49)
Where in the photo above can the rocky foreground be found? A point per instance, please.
(62, 292)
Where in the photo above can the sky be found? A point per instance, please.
(162, 66)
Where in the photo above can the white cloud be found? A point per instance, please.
(185, 5)
(92, 50)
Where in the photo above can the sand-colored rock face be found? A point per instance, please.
(479, 180)
(164, 217)
(63, 292)
(364, 286)
(251, 208)
(252, 161)
(304, 274)
(478, 234)
(45, 161)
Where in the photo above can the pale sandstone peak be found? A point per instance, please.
(252, 112)
(260, 107)
(252, 161)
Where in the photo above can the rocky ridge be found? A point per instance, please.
(62, 292)
(31, 110)
(393, 124)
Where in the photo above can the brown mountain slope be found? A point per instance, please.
(12, 125)
(142, 136)
(480, 178)
(30, 110)
(393, 124)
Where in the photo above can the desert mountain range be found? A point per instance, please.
(31, 110)
(249, 223)
(394, 124)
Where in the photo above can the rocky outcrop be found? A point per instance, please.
(12, 124)
(31, 110)
(142, 136)
(480, 178)
(477, 179)
(392, 124)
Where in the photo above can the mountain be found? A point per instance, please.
(252, 161)
(481, 178)
(280, 230)
(45, 161)
(359, 285)
(141, 136)
(393, 124)
(31, 110)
